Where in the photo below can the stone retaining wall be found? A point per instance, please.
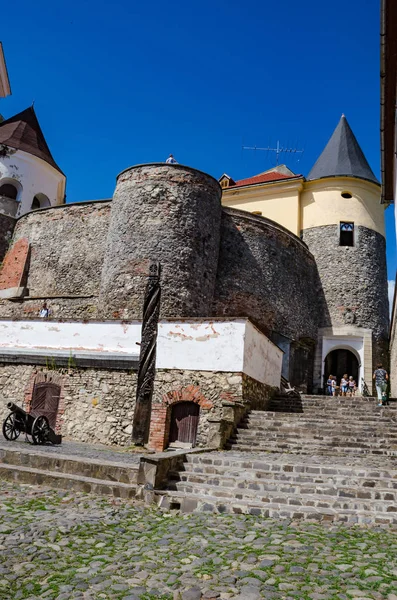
(98, 404)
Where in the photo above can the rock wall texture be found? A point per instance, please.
(267, 274)
(169, 214)
(7, 225)
(354, 281)
(224, 398)
(67, 252)
(393, 357)
(97, 405)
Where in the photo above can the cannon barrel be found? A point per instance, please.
(16, 408)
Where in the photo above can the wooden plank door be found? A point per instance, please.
(184, 423)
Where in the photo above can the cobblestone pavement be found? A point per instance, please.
(57, 545)
(79, 449)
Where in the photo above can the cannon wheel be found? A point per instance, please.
(40, 430)
(11, 430)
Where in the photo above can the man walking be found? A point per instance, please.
(381, 377)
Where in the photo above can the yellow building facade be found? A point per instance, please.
(337, 213)
(298, 204)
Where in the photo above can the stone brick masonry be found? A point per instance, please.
(97, 405)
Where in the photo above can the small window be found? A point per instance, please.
(225, 183)
(257, 212)
(346, 195)
(9, 191)
(40, 201)
(346, 234)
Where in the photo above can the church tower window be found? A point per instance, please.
(346, 234)
(9, 191)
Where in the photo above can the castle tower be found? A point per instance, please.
(343, 225)
(29, 176)
(167, 213)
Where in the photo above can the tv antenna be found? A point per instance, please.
(278, 150)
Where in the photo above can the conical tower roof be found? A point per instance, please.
(342, 156)
(23, 132)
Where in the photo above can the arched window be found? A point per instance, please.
(40, 201)
(9, 191)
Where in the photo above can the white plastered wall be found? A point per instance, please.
(32, 176)
(230, 346)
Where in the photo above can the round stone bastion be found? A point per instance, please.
(169, 214)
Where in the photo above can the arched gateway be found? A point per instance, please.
(341, 361)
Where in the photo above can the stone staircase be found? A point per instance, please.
(332, 459)
(320, 425)
(72, 466)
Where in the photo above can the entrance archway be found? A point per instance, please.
(341, 361)
(184, 423)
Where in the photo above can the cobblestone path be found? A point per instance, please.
(57, 545)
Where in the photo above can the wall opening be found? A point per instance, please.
(9, 191)
(40, 201)
(184, 423)
(340, 362)
(346, 235)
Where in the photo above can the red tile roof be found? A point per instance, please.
(263, 178)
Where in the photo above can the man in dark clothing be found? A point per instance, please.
(381, 377)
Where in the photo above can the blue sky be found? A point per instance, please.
(122, 83)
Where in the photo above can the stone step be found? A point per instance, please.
(310, 439)
(305, 448)
(189, 502)
(320, 434)
(332, 486)
(332, 410)
(382, 416)
(288, 498)
(372, 412)
(331, 402)
(277, 421)
(78, 483)
(32, 457)
(194, 473)
(262, 464)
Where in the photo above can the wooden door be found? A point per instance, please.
(45, 401)
(184, 423)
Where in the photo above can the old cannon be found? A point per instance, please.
(37, 427)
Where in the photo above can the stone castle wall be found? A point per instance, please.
(354, 281)
(267, 274)
(67, 252)
(98, 404)
(263, 271)
(170, 214)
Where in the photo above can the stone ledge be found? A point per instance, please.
(69, 359)
(154, 469)
(14, 292)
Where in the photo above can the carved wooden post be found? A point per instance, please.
(147, 357)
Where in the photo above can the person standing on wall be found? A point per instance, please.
(381, 377)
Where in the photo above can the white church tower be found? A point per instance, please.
(29, 176)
